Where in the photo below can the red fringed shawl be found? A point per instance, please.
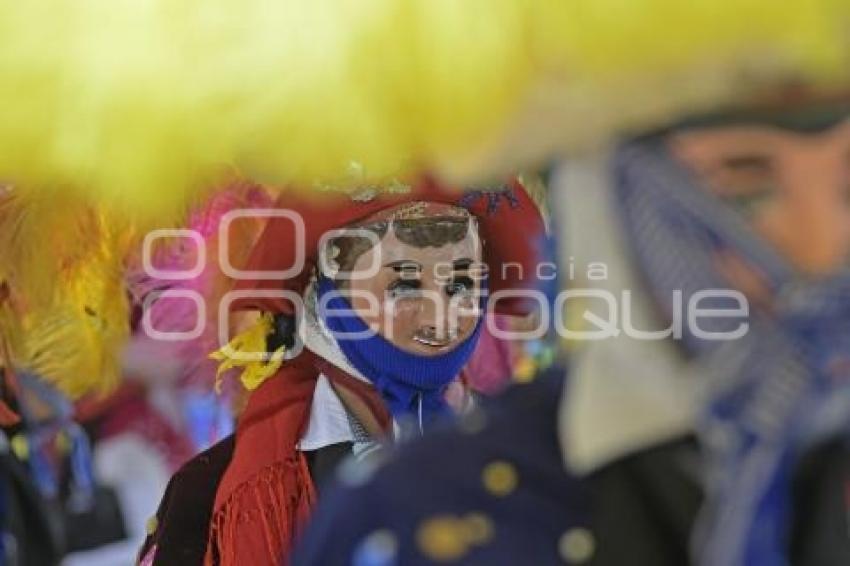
(266, 494)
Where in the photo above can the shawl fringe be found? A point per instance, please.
(259, 521)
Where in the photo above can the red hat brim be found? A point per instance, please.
(509, 222)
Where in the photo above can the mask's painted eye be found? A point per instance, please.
(747, 181)
(459, 286)
(749, 202)
(404, 287)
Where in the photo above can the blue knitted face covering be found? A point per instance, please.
(409, 383)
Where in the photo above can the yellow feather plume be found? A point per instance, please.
(68, 317)
(141, 105)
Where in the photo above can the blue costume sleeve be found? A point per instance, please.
(491, 490)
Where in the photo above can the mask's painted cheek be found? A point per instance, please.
(395, 322)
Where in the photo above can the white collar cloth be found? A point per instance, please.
(623, 394)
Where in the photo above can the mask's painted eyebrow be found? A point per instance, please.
(404, 265)
(751, 161)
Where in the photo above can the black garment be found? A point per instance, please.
(184, 514)
(323, 462)
(821, 529)
(39, 531)
(96, 525)
(644, 507)
(34, 528)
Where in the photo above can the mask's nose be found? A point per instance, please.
(434, 319)
(810, 224)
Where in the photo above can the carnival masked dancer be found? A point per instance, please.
(366, 337)
(708, 427)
